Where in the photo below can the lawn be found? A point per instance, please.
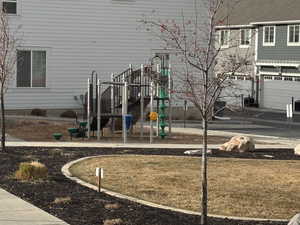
(237, 187)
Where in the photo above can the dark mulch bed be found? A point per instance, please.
(87, 206)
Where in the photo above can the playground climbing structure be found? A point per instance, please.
(123, 99)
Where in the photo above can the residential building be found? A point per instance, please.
(238, 42)
(276, 59)
(62, 42)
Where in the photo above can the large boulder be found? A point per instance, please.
(297, 150)
(295, 220)
(239, 144)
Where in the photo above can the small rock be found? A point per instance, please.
(239, 144)
(295, 220)
(268, 156)
(197, 152)
(297, 150)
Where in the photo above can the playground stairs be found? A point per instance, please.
(111, 98)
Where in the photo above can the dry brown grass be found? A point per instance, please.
(38, 130)
(113, 222)
(62, 200)
(112, 206)
(42, 130)
(239, 187)
(31, 171)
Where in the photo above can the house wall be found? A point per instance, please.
(238, 51)
(81, 36)
(239, 86)
(280, 51)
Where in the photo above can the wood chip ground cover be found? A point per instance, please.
(87, 207)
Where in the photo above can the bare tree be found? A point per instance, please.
(206, 69)
(7, 65)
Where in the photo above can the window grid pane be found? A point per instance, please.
(291, 37)
(38, 69)
(271, 34)
(297, 34)
(23, 69)
(248, 37)
(245, 37)
(9, 7)
(242, 37)
(267, 34)
(224, 37)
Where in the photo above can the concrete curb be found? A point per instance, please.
(66, 172)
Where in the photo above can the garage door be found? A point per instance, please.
(277, 91)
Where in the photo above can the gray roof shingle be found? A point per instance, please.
(243, 12)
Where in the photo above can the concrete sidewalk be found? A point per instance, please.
(15, 211)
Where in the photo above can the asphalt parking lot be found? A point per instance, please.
(259, 122)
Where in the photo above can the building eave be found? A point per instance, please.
(275, 22)
(234, 26)
(278, 63)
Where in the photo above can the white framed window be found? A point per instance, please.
(268, 78)
(9, 6)
(245, 38)
(224, 38)
(277, 77)
(293, 35)
(288, 78)
(269, 36)
(31, 68)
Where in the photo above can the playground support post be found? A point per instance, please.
(96, 95)
(157, 120)
(124, 111)
(170, 99)
(151, 110)
(112, 103)
(88, 109)
(98, 110)
(158, 68)
(142, 101)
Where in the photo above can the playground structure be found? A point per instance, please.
(125, 98)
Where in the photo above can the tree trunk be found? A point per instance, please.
(3, 121)
(204, 175)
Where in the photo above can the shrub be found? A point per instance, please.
(38, 112)
(31, 171)
(69, 114)
(62, 200)
(113, 222)
(112, 206)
